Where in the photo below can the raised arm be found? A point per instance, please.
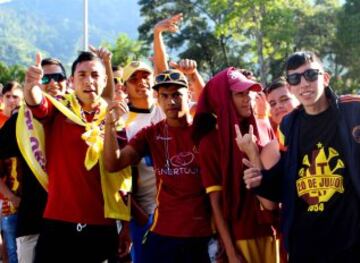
(114, 159)
(105, 55)
(189, 68)
(160, 56)
(32, 91)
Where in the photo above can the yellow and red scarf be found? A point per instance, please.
(31, 141)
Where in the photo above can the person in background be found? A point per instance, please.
(280, 100)
(120, 89)
(12, 95)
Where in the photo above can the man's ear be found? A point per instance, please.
(156, 94)
(327, 78)
(71, 80)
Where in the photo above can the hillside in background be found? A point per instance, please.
(55, 27)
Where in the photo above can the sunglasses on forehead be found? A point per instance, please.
(175, 76)
(309, 75)
(57, 77)
(118, 80)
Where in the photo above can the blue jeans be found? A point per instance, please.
(8, 227)
(137, 233)
(165, 249)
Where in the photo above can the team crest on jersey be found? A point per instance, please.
(318, 180)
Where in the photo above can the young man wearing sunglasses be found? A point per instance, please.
(317, 178)
(33, 196)
(181, 228)
(54, 78)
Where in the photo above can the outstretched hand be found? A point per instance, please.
(103, 53)
(169, 24)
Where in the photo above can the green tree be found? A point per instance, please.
(348, 48)
(198, 38)
(125, 50)
(257, 34)
(14, 72)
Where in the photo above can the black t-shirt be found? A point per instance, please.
(327, 210)
(33, 196)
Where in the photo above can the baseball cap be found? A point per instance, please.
(134, 66)
(171, 76)
(238, 82)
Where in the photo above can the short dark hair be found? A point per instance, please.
(275, 84)
(11, 85)
(84, 56)
(53, 61)
(300, 58)
(116, 68)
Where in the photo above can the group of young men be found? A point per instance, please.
(197, 172)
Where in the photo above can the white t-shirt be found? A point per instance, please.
(135, 120)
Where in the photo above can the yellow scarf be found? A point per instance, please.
(31, 141)
(93, 135)
(113, 184)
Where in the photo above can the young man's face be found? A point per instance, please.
(138, 86)
(54, 88)
(89, 81)
(174, 101)
(281, 102)
(311, 94)
(120, 89)
(12, 99)
(242, 103)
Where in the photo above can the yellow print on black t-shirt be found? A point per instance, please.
(318, 180)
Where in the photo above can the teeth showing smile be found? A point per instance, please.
(307, 93)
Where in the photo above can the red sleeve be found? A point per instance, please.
(140, 141)
(210, 171)
(43, 110)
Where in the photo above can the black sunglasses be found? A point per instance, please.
(309, 75)
(57, 77)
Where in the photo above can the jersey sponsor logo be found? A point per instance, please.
(179, 164)
(318, 181)
(178, 171)
(182, 159)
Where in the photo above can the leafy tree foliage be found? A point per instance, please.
(347, 46)
(9, 73)
(125, 50)
(257, 34)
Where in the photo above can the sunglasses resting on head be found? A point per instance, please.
(169, 76)
(118, 80)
